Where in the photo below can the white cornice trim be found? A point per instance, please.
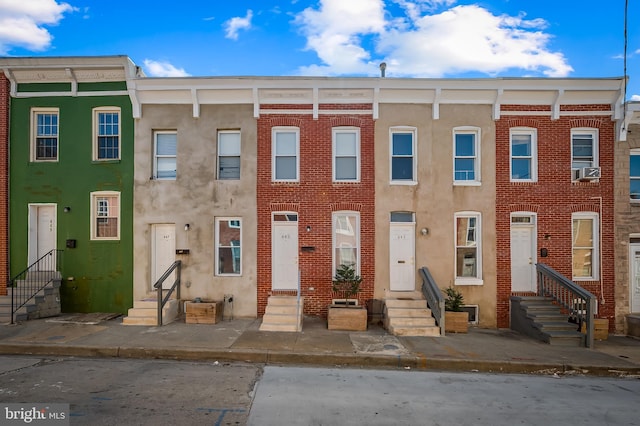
(70, 93)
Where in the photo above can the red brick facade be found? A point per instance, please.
(554, 197)
(4, 184)
(315, 197)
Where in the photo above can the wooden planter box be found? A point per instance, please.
(204, 312)
(456, 322)
(347, 318)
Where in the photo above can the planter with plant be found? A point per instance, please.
(455, 319)
(347, 314)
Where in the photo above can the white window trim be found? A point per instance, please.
(96, 112)
(595, 256)
(633, 152)
(239, 133)
(477, 133)
(534, 152)
(217, 246)
(334, 231)
(94, 214)
(404, 129)
(284, 129)
(478, 280)
(596, 145)
(156, 156)
(334, 132)
(34, 133)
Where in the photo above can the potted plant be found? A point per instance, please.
(455, 319)
(348, 315)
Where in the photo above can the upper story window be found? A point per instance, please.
(105, 215)
(584, 150)
(106, 133)
(468, 248)
(286, 154)
(523, 149)
(228, 154)
(228, 248)
(44, 134)
(466, 157)
(634, 174)
(403, 155)
(346, 154)
(584, 253)
(165, 151)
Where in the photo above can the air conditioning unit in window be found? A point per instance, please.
(589, 173)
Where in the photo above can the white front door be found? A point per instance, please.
(523, 262)
(402, 256)
(42, 230)
(163, 253)
(284, 251)
(634, 263)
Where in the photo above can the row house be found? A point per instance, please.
(262, 186)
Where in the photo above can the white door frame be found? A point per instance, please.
(34, 250)
(634, 278)
(408, 264)
(291, 280)
(531, 226)
(169, 251)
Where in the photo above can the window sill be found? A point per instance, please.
(114, 161)
(466, 183)
(403, 182)
(469, 281)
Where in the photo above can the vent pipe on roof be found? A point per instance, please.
(383, 67)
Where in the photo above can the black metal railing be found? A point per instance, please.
(579, 303)
(432, 293)
(28, 283)
(177, 266)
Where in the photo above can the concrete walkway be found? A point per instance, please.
(240, 340)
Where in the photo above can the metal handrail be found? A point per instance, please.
(580, 303)
(28, 283)
(435, 300)
(177, 265)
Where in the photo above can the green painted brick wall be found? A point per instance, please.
(102, 270)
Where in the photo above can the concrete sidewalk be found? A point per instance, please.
(240, 340)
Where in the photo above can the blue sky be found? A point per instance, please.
(416, 38)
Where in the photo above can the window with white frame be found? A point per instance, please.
(584, 148)
(165, 151)
(523, 149)
(468, 248)
(403, 155)
(346, 239)
(286, 154)
(228, 260)
(584, 246)
(229, 155)
(106, 133)
(346, 154)
(44, 134)
(466, 157)
(105, 215)
(634, 175)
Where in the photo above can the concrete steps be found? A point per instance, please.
(541, 319)
(283, 313)
(145, 312)
(406, 314)
(38, 305)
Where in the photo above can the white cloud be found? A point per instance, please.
(233, 25)
(635, 98)
(163, 69)
(22, 23)
(423, 43)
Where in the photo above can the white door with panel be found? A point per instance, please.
(634, 263)
(42, 232)
(523, 261)
(402, 256)
(284, 251)
(163, 253)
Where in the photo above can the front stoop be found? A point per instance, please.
(45, 304)
(407, 314)
(145, 312)
(283, 313)
(540, 318)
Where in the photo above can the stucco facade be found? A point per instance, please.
(4, 184)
